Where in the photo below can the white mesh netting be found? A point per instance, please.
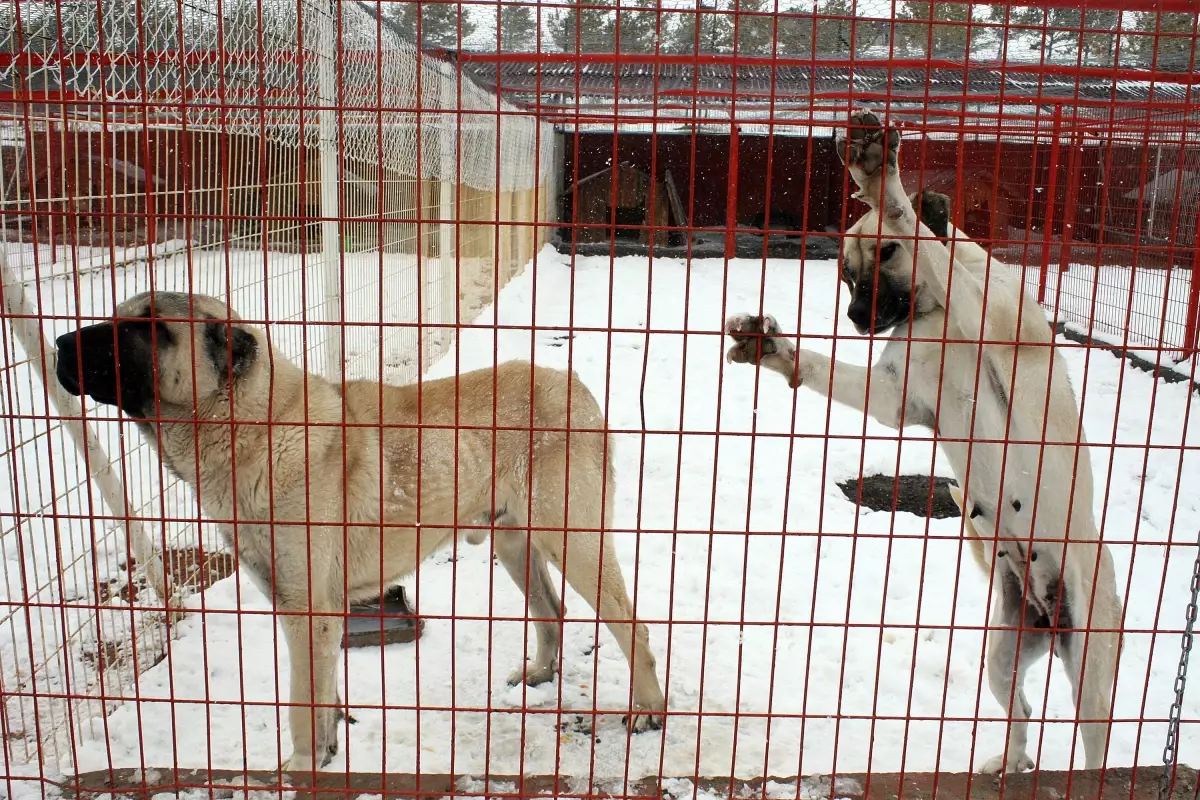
(213, 65)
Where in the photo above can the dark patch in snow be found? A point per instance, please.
(749, 245)
(909, 493)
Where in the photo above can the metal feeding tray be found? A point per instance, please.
(390, 620)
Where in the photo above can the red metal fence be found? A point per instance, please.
(433, 194)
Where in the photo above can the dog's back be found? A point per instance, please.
(503, 430)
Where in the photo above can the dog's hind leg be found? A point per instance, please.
(1094, 653)
(527, 567)
(594, 571)
(1011, 651)
(589, 562)
(1092, 698)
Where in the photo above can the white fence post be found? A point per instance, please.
(331, 261)
(442, 290)
(25, 327)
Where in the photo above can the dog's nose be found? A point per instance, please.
(860, 314)
(68, 364)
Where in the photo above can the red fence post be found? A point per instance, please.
(731, 204)
(1051, 200)
(1074, 159)
(1191, 336)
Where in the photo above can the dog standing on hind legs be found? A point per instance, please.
(996, 380)
(323, 481)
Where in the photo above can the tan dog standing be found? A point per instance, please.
(316, 484)
(970, 356)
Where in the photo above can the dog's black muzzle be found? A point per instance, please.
(89, 364)
(67, 371)
(879, 311)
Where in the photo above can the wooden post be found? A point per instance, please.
(524, 215)
(536, 199)
(544, 212)
(504, 255)
(673, 195)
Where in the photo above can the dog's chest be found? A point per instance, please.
(954, 386)
(976, 432)
(232, 482)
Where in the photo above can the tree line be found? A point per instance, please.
(951, 30)
(801, 28)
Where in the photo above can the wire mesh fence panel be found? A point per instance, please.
(839, 515)
(187, 148)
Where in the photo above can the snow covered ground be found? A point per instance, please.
(794, 632)
(1149, 305)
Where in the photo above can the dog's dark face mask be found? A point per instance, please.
(879, 271)
(114, 363)
(878, 302)
(155, 366)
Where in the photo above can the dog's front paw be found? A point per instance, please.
(753, 337)
(642, 721)
(532, 675)
(996, 764)
(300, 763)
(867, 145)
(297, 763)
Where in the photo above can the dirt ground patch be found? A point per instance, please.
(188, 568)
(1141, 783)
(911, 493)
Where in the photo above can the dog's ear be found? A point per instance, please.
(934, 210)
(230, 347)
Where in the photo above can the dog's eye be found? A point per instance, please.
(887, 251)
(145, 327)
(1033, 555)
(149, 328)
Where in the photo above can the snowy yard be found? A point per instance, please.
(794, 633)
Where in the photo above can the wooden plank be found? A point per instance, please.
(594, 175)
(1113, 784)
(676, 203)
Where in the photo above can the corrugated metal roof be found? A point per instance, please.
(637, 81)
(809, 99)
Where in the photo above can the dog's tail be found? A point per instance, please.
(973, 538)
